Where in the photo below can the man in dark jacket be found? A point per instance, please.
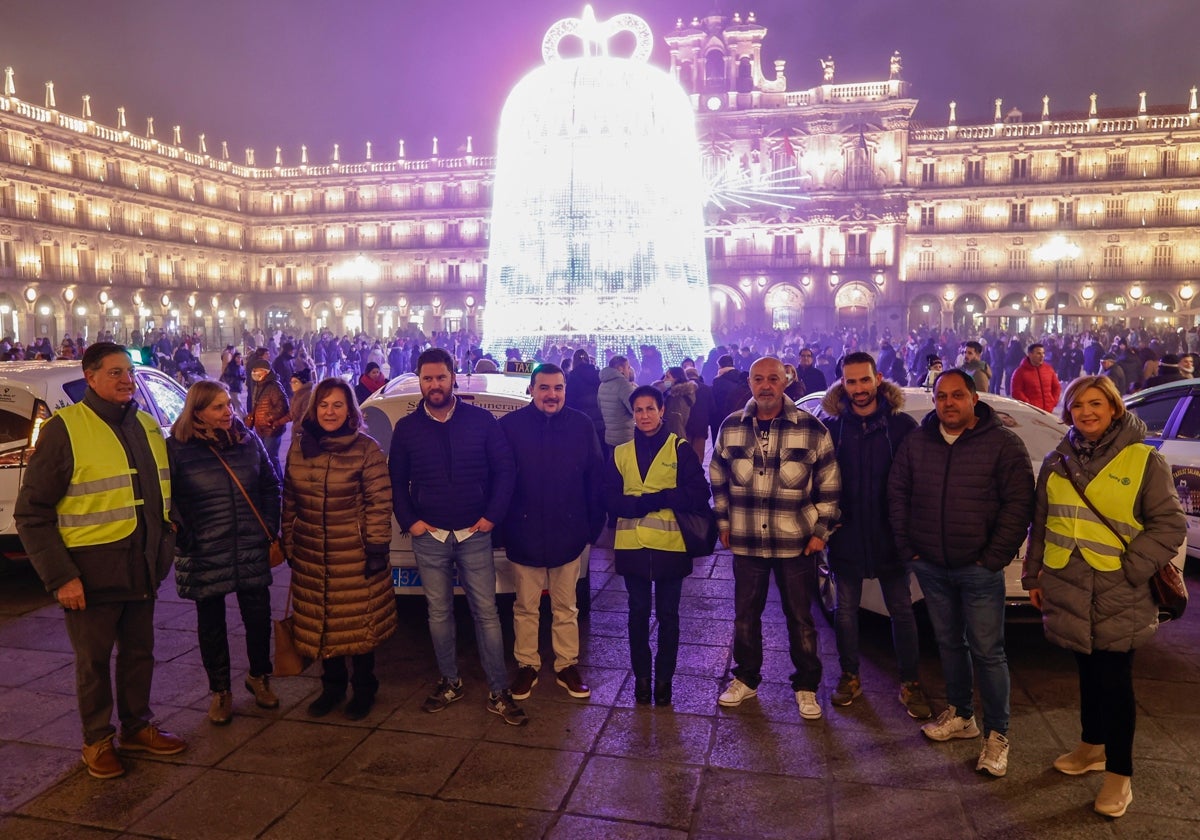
(284, 362)
(92, 515)
(1070, 360)
(865, 417)
(960, 496)
(809, 374)
(583, 393)
(731, 392)
(555, 513)
(1113, 371)
(452, 480)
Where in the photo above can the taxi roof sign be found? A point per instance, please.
(513, 367)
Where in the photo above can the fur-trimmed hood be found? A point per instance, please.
(835, 400)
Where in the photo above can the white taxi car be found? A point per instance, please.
(1039, 430)
(499, 393)
(1171, 413)
(31, 391)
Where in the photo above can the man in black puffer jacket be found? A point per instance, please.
(556, 511)
(960, 497)
(865, 417)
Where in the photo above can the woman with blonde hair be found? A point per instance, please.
(1106, 519)
(337, 531)
(222, 482)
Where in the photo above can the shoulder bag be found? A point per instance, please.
(699, 529)
(288, 660)
(1166, 585)
(275, 550)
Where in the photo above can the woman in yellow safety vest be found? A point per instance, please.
(645, 480)
(1089, 574)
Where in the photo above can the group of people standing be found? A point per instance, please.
(949, 499)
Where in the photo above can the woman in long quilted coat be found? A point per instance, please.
(337, 527)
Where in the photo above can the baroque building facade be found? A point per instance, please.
(829, 207)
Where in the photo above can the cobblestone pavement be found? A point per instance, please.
(603, 768)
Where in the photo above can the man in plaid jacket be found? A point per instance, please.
(775, 484)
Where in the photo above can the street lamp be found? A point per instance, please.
(363, 270)
(1057, 249)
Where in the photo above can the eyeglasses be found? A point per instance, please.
(119, 373)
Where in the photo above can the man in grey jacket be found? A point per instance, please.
(616, 384)
(960, 496)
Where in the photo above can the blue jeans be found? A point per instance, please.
(272, 445)
(898, 599)
(666, 607)
(966, 609)
(796, 578)
(436, 562)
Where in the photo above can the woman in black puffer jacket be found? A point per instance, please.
(220, 546)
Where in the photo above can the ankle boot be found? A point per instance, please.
(260, 687)
(662, 693)
(641, 690)
(360, 705)
(1115, 795)
(220, 709)
(324, 704)
(1083, 759)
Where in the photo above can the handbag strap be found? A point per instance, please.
(257, 515)
(1078, 489)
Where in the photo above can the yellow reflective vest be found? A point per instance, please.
(657, 529)
(1071, 525)
(100, 506)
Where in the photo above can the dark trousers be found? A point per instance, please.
(336, 677)
(129, 626)
(796, 578)
(1107, 710)
(665, 594)
(255, 607)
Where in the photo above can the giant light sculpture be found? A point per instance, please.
(597, 225)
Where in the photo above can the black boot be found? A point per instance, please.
(662, 693)
(360, 705)
(324, 704)
(641, 690)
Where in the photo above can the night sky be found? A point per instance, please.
(266, 73)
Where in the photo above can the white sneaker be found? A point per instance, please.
(735, 693)
(810, 709)
(994, 758)
(949, 725)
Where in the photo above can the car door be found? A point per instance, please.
(1178, 439)
(160, 396)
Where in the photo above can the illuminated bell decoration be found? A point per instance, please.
(597, 225)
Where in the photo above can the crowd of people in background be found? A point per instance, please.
(1014, 364)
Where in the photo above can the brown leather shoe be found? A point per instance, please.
(220, 708)
(527, 678)
(102, 761)
(260, 687)
(569, 679)
(152, 740)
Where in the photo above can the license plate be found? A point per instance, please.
(409, 577)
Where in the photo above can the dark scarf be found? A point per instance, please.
(1084, 448)
(310, 440)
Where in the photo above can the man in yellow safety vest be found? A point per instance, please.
(92, 515)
